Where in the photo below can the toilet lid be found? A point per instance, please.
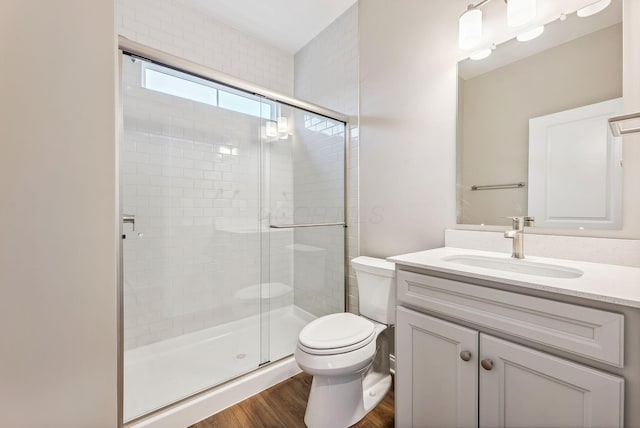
(336, 331)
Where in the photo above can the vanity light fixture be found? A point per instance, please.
(271, 129)
(530, 34)
(470, 28)
(519, 12)
(593, 8)
(283, 128)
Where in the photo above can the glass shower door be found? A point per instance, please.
(190, 179)
(238, 207)
(303, 196)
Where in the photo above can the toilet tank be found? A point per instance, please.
(376, 288)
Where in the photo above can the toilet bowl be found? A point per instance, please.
(347, 354)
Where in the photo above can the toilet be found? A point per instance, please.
(347, 354)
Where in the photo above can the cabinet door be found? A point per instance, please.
(436, 380)
(520, 387)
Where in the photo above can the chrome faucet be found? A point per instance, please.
(517, 234)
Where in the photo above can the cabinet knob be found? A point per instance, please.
(465, 355)
(486, 364)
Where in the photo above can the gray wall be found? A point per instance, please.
(58, 214)
(408, 80)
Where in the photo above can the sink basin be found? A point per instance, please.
(516, 266)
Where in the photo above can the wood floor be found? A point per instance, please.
(283, 405)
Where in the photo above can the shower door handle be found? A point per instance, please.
(129, 218)
(293, 226)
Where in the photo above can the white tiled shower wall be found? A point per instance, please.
(173, 26)
(326, 73)
(198, 213)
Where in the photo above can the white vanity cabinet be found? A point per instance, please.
(449, 375)
(436, 379)
(522, 387)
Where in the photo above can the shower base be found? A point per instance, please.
(164, 372)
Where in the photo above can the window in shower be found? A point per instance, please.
(218, 279)
(192, 88)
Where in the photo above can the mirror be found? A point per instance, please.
(532, 136)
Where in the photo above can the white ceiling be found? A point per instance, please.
(286, 24)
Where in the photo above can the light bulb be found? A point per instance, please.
(470, 28)
(520, 12)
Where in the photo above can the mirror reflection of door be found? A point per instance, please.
(575, 168)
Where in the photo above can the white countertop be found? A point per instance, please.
(601, 282)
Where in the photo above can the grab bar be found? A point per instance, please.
(293, 226)
(615, 124)
(499, 186)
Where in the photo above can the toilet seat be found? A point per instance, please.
(336, 334)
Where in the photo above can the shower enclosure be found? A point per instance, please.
(233, 228)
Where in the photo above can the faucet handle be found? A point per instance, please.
(517, 221)
(529, 221)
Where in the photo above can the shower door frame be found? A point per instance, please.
(127, 46)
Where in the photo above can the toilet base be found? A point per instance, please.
(341, 401)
